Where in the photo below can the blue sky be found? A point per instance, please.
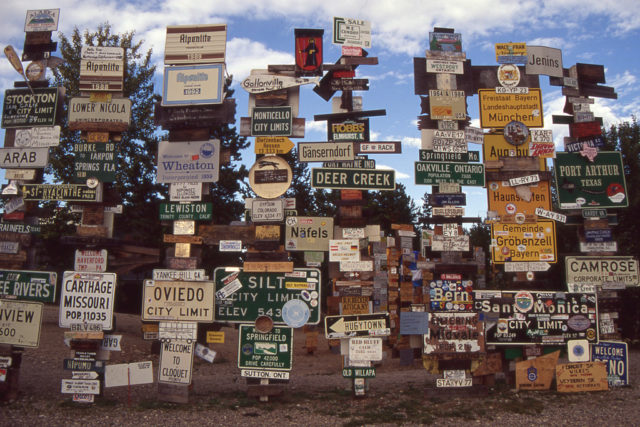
(261, 32)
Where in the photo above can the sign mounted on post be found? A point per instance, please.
(28, 285)
(599, 270)
(38, 20)
(193, 85)
(353, 130)
(271, 351)
(193, 161)
(12, 157)
(355, 179)
(351, 32)
(325, 152)
(176, 361)
(524, 242)
(499, 109)
(374, 324)
(615, 355)
(454, 333)
(188, 44)
(186, 211)
(87, 298)
(94, 160)
(23, 109)
(271, 121)
(61, 192)
(434, 173)
(308, 233)
(177, 300)
(20, 323)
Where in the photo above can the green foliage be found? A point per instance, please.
(391, 207)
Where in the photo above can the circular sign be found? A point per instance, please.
(92, 182)
(508, 75)
(295, 313)
(530, 275)
(520, 218)
(35, 70)
(516, 133)
(264, 324)
(270, 177)
(523, 301)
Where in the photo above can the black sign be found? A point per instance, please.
(349, 84)
(83, 365)
(23, 109)
(61, 192)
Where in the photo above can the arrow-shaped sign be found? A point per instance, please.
(374, 324)
(513, 267)
(86, 375)
(273, 145)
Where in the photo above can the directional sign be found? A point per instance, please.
(434, 173)
(271, 351)
(599, 270)
(20, 323)
(356, 179)
(374, 324)
(28, 285)
(264, 294)
(273, 145)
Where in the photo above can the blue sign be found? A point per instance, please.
(615, 356)
(598, 235)
(448, 199)
(414, 323)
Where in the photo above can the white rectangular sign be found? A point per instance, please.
(171, 331)
(188, 44)
(344, 250)
(41, 20)
(185, 191)
(111, 342)
(188, 161)
(230, 246)
(450, 243)
(205, 353)
(80, 387)
(346, 266)
(522, 180)
(188, 275)
(352, 32)
(23, 157)
(176, 361)
(90, 260)
(45, 136)
(544, 60)
(128, 374)
(82, 110)
(112, 53)
(365, 348)
(193, 85)
(258, 373)
(551, 215)
(91, 68)
(87, 298)
(20, 323)
(599, 246)
(177, 300)
(444, 66)
(267, 210)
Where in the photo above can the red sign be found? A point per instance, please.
(584, 129)
(308, 52)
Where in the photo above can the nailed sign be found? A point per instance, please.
(434, 173)
(272, 350)
(94, 160)
(90, 260)
(373, 324)
(87, 115)
(186, 211)
(600, 270)
(87, 298)
(356, 179)
(193, 85)
(177, 300)
(191, 161)
(544, 60)
(61, 192)
(186, 44)
(323, 152)
(176, 361)
(20, 323)
(351, 32)
(21, 108)
(28, 285)
(454, 333)
(615, 356)
(507, 201)
(23, 157)
(38, 20)
(41, 136)
(447, 104)
(271, 121)
(498, 109)
(348, 130)
(524, 242)
(308, 233)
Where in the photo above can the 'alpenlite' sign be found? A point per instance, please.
(355, 179)
(186, 44)
(177, 300)
(180, 211)
(22, 108)
(28, 285)
(434, 173)
(87, 298)
(193, 85)
(271, 121)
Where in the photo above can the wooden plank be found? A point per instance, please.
(181, 263)
(92, 230)
(267, 267)
(179, 238)
(213, 233)
(590, 73)
(349, 115)
(195, 116)
(268, 232)
(358, 60)
(190, 134)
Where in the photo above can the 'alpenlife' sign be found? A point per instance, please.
(87, 298)
(270, 351)
(193, 161)
(583, 184)
(22, 108)
(193, 85)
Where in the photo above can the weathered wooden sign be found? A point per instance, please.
(20, 175)
(600, 270)
(20, 323)
(28, 285)
(195, 116)
(308, 233)
(257, 294)
(497, 109)
(583, 184)
(87, 298)
(187, 44)
(373, 324)
(41, 136)
(192, 161)
(365, 179)
(580, 377)
(193, 85)
(61, 192)
(450, 243)
(271, 351)
(176, 361)
(536, 373)
(24, 157)
(454, 333)
(177, 300)
(86, 115)
(186, 211)
(524, 242)
(433, 173)
(322, 152)
(23, 109)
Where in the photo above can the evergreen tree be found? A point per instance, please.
(391, 207)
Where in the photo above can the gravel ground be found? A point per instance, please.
(316, 394)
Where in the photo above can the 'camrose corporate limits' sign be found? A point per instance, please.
(87, 298)
(355, 179)
(193, 161)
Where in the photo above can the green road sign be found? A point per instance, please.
(186, 211)
(359, 372)
(354, 179)
(243, 296)
(272, 350)
(271, 121)
(434, 173)
(28, 285)
(94, 160)
(583, 184)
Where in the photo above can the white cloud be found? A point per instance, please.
(399, 175)
(411, 141)
(243, 55)
(555, 42)
(312, 126)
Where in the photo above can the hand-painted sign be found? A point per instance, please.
(20, 323)
(189, 161)
(104, 53)
(449, 44)
(186, 211)
(356, 179)
(90, 260)
(454, 333)
(61, 192)
(351, 32)
(308, 233)
(511, 53)
(578, 377)
(25, 109)
(433, 173)
(374, 324)
(41, 136)
(524, 242)
(28, 285)
(271, 121)
(193, 85)
(497, 109)
(94, 160)
(308, 52)
(87, 298)
(38, 20)
(321, 152)
(264, 294)
(261, 83)
(177, 300)
(176, 361)
(583, 184)
(188, 44)
(599, 270)
(528, 317)
(85, 114)
(365, 349)
(102, 74)
(271, 351)
(24, 157)
(615, 355)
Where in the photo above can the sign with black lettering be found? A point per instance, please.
(176, 361)
(454, 333)
(20, 323)
(303, 233)
(12, 157)
(87, 298)
(177, 300)
(348, 130)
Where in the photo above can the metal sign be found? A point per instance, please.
(193, 85)
(506, 200)
(28, 285)
(61, 192)
(496, 146)
(524, 242)
(348, 130)
(186, 44)
(365, 349)
(90, 260)
(187, 275)
(374, 324)
(356, 179)
(322, 152)
(528, 317)
(447, 199)
(454, 333)
(270, 351)
(308, 51)
(513, 267)
(354, 372)
(271, 121)
(186, 211)
(20, 323)
(583, 184)
(447, 104)
(87, 298)
(308, 233)
(344, 250)
(386, 147)
(23, 109)
(71, 386)
(176, 362)
(551, 215)
(616, 356)
(445, 67)
(511, 53)
(359, 162)
(498, 109)
(38, 20)
(270, 177)
(87, 115)
(41, 136)
(83, 365)
(261, 83)
(264, 294)
(185, 191)
(112, 53)
(193, 161)
(351, 32)
(544, 60)
(433, 173)
(450, 243)
(23, 157)
(600, 270)
(273, 145)
(94, 160)
(267, 210)
(177, 300)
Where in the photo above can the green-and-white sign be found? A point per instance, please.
(249, 295)
(186, 211)
(434, 173)
(355, 179)
(28, 285)
(272, 350)
(583, 184)
(94, 160)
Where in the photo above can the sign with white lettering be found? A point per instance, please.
(176, 361)
(87, 298)
(434, 173)
(616, 356)
(61, 192)
(187, 44)
(20, 323)
(23, 109)
(186, 211)
(28, 285)
(193, 85)
(356, 179)
(271, 121)
(188, 161)
(272, 350)
(177, 300)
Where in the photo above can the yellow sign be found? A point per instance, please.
(296, 285)
(510, 49)
(495, 146)
(215, 337)
(273, 145)
(498, 109)
(506, 201)
(576, 377)
(523, 242)
(355, 305)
